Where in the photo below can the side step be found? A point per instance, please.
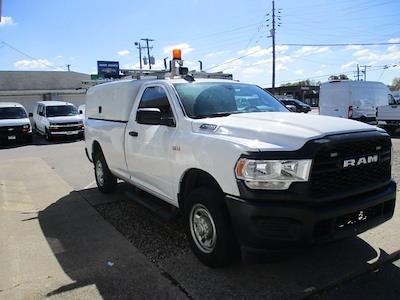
(161, 208)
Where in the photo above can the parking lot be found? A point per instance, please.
(62, 238)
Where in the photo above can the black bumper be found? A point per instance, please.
(15, 137)
(289, 225)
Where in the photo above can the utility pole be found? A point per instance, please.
(358, 72)
(148, 49)
(273, 47)
(137, 44)
(365, 71)
(275, 15)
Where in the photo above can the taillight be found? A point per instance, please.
(350, 113)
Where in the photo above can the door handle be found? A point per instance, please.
(133, 133)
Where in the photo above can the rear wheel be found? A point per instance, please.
(209, 229)
(106, 181)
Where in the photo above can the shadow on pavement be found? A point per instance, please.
(90, 252)
(38, 140)
(83, 250)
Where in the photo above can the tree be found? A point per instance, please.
(395, 84)
(339, 77)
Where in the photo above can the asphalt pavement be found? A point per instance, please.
(74, 232)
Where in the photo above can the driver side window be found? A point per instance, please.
(156, 97)
(392, 101)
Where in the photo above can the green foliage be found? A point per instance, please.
(395, 84)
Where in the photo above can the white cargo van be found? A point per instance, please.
(355, 100)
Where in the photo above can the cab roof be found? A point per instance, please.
(10, 104)
(54, 103)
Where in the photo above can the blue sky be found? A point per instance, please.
(56, 33)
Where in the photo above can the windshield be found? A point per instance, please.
(62, 110)
(201, 100)
(12, 113)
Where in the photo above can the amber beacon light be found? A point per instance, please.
(177, 54)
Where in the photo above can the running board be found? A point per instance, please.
(161, 208)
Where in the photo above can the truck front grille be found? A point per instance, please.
(6, 130)
(329, 176)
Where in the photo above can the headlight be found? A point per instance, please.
(26, 126)
(272, 174)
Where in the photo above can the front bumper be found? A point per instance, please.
(288, 225)
(67, 132)
(16, 137)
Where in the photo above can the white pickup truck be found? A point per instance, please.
(245, 173)
(388, 116)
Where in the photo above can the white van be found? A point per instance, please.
(355, 100)
(55, 118)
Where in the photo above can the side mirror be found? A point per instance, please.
(152, 116)
(149, 116)
(41, 114)
(30, 115)
(291, 107)
(80, 112)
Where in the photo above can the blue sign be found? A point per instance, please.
(108, 69)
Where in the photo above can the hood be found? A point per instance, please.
(65, 119)
(14, 122)
(279, 131)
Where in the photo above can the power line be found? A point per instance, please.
(235, 59)
(341, 44)
(29, 56)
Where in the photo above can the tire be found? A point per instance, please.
(47, 135)
(390, 129)
(106, 181)
(211, 236)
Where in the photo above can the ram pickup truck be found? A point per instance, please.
(245, 172)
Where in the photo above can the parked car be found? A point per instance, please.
(300, 106)
(355, 100)
(14, 123)
(388, 116)
(246, 174)
(56, 118)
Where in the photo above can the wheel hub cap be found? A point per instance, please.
(202, 228)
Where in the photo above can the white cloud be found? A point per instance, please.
(281, 67)
(252, 70)
(360, 52)
(123, 53)
(185, 47)
(311, 50)
(353, 47)
(217, 53)
(228, 66)
(394, 40)
(392, 48)
(257, 51)
(299, 72)
(7, 21)
(33, 64)
(281, 59)
(319, 72)
(348, 65)
(59, 56)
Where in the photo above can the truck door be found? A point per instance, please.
(148, 148)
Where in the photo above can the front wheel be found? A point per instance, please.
(47, 135)
(209, 228)
(106, 181)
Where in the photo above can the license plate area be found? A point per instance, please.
(11, 137)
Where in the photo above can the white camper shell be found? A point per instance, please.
(112, 101)
(356, 100)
